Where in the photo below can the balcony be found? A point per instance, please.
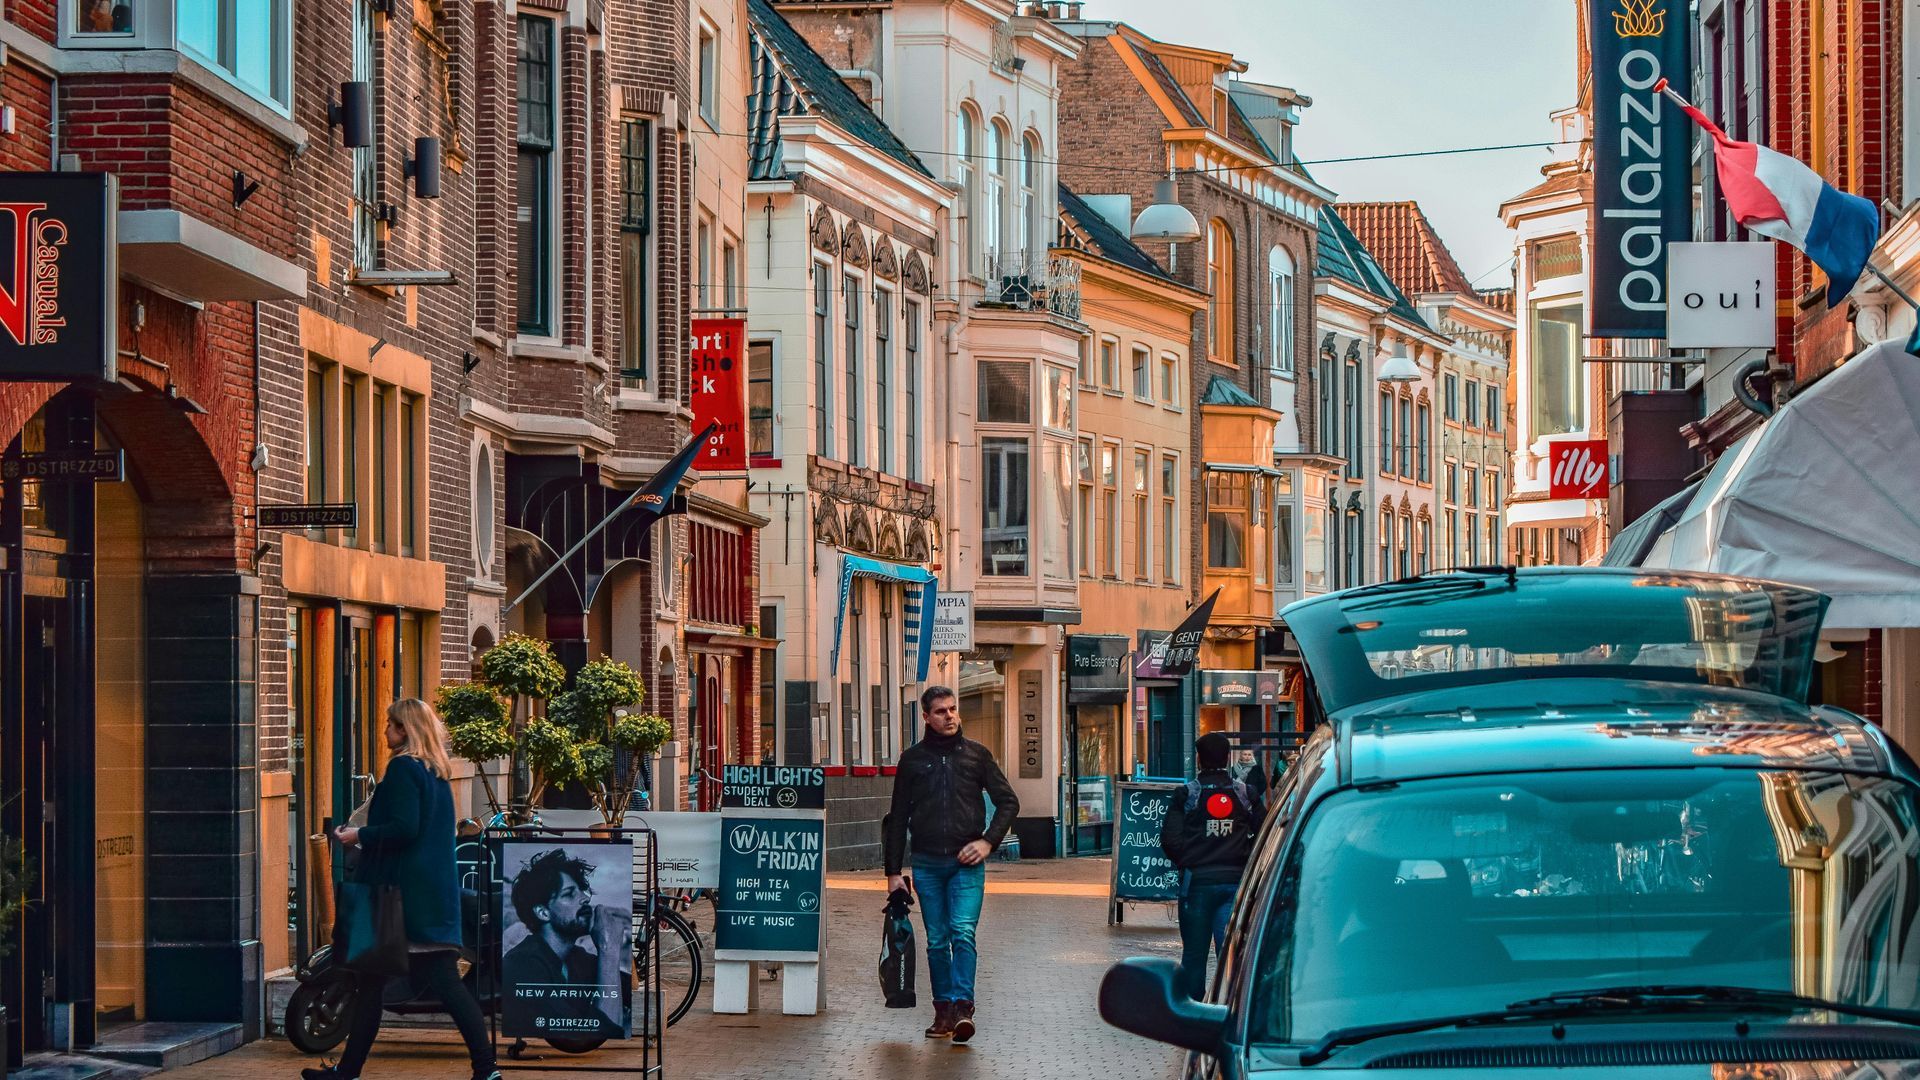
(1032, 281)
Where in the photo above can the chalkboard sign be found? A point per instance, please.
(1141, 871)
(772, 880)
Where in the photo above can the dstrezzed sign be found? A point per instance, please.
(1642, 181)
(57, 276)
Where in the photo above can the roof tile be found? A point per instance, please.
(1406, 246)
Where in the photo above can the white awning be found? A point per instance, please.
(1826, 494)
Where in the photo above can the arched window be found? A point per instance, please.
(966, 145)
(1032, 233)
(1386, 544)
(1280, 311)
(1406, 544)
(993, 221)
(1220, 292)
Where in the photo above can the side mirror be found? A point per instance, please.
(1141, 995)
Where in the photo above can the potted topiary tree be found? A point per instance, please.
(16, 884)
(478, 730)
(601, 710)
(524, 671)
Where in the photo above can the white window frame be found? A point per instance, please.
(1170, 548)
(1142, 368)
(966, 148)
(999, 194)
(555, 281)
(1141, 495)
(1281, 302)
(155, 25)
(885, 431)
(823, 331)
(707, 89)
(1174, 398)
(773, 342)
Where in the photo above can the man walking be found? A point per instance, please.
(1208, 835)
(937, 800)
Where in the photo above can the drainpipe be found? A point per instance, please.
(1743, 393)
(872, 79)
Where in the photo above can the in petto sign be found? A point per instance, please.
(1721, 296)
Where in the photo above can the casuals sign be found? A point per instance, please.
(1721, 296)
(1239, 687)
(1174, 656)
(716, 362)
(953, 622)
(1097, 669)
(1141, 871)
(58, 276)
(310, 516)
(772, 882)
(1578, 470)
(566, 938)
(57, 468)
(1642, 175)
(784, 787)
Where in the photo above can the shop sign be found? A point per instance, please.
(1642, 183)
(716, 362)
(1577, 469)
(1141, 870)
(309, 516)
(772, 879)
(1030, 731)
(785, 787)
(1722, 296)
(59, 287)
(1097, 669)
(539, 997)
(1173, 656)
(953, 622)
(1240, 687)
(80, 467)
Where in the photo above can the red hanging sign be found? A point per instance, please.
(716, 362)
(1578, 470)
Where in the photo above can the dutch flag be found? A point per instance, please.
(1776, 196)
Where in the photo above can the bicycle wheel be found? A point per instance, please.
(677, 979)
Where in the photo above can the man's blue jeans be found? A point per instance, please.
(1203, 921)
(950, 897)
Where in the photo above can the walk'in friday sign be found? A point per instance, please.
(772, 888)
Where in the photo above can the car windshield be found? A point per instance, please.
(1440, 897)
(1458, 629)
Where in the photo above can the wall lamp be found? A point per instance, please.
(353, 113)
(423, 168)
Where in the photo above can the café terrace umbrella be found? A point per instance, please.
(1826, 494)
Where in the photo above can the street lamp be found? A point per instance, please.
(1166, 219)
(1397, 368)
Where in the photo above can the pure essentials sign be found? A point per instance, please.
(772, 881)
(58, 276)
(1642, 178)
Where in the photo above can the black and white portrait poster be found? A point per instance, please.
(566, 941)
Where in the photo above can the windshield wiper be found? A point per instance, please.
(1571, 1004)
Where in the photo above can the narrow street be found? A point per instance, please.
(1045, 943)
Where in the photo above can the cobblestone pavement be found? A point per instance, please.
(1045, 943)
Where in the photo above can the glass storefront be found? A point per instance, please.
(983, 703)
(120, 745)
(1095, 756)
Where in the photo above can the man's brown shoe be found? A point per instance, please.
(943, 1016)
(963, 1028)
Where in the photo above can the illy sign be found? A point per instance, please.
(1722, 296)
(1578, 470)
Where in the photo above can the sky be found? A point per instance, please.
(1389, 76)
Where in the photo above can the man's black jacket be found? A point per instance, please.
(1214, 840)
(936, 797)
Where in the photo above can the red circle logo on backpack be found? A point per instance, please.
(1219, 805)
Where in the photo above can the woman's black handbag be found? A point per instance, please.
(370, 929)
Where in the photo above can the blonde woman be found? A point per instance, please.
(409, 841)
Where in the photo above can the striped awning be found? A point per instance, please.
(918, 636)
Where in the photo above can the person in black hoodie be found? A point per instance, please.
(1208, 835)
(937, 800)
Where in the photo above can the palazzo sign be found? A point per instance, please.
(1642, 183)
(58, 276)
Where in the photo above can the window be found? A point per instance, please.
(1110, 364)
(1473, 539)
(1032, 237)
(1142, 373)
(1406, 545)
(760, 400)
(1056, 398)
(1083, 511)
(914, 467)
(1386, 545)
(91, 17)
(1142, 514)
(249, 42)
(1329, 413)
(850, 300)
(1405, 432)
(412, 450)
(1559, 380)
(1452, 404)
(1055, 479)
(1493, 489)
(366, 159)
(1492, 524)
(534, 213)
(1006, 392)
(1169, 523)
(636, 246)
(1426, 544)
(382, 413)
(1086, 363)
(965, 138)
(1280, 311)
(1170, 380)
(319, 414)
(353, 424)
(1496, 408)
(1453, 482)
(1473, 403)
(709, 77)
(1220, 293)
(1453, 538)
(1259, 504)
(1110, 510)
(1227, 505)
(730, 275)
(823, 360)
(1004, 505)
(703, 262)
(1356, 459)
(1386, 433)
(1424, 432)
(883, 377)
(1283, 539)
(993, 221)
(1473, 486)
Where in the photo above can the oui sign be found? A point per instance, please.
(1721, 296)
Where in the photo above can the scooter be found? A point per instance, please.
(321, 1008)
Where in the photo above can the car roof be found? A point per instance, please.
(1563, 724)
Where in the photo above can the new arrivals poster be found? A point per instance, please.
(716, 362)
(566, 941)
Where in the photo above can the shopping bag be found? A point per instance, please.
(897, 951)
(370, 929)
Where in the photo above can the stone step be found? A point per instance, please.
(168, 1046)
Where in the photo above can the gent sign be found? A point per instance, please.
(1721, 296)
